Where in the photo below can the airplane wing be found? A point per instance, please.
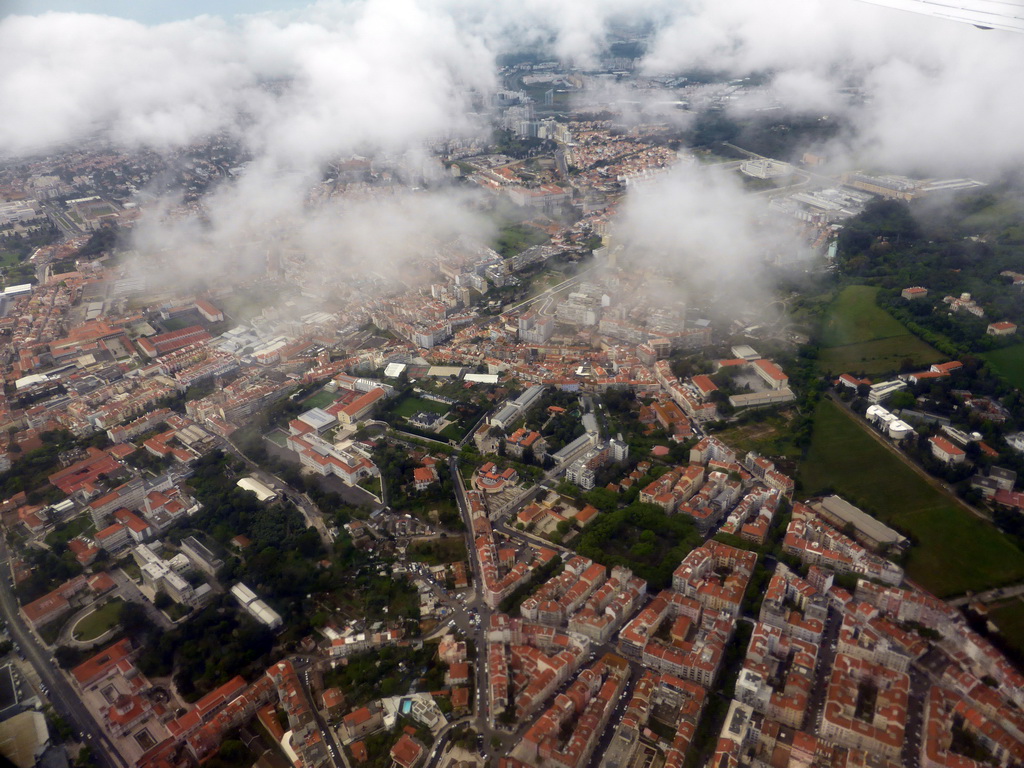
(988, 14)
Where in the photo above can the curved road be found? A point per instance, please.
(62, 696)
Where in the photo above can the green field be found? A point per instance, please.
(1008, 362)
(879, 356)
(955, 551)
(516, 238)
(854, 317)
(452, 432)
(98, 622)
(859, 336)
(438, 551)
(65, 532)
(9, 258)
(1009, 617)
(413, 405)
(771, 436)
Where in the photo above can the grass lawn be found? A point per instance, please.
(98, 622)
(1009, 617)
(9, 258)
(371, 484)
(515, 238)
(955, 551)
(453, 432)
(177, 323)
(131, 569)
(997, 216)
(1008, 362)
(413, 405)
(321, 399)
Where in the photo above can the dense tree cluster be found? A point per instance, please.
(209, 649)
(949, 247)
(281, 562)
(643, 538)
(48, 569)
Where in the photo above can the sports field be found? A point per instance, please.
(321, 399)
(858, 336)
(954, 551)
(1008, 362)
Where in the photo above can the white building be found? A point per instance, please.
(255, 607)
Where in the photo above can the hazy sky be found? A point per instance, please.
(149, 11)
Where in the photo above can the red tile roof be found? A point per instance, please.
(406, 751)
(97, 666)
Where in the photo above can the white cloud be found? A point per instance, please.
(939, 95)
(389, 74)
(697, 222)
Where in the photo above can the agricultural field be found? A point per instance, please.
(860, 337)
(1009, 363)
(954, 551)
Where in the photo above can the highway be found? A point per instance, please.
(61, 695)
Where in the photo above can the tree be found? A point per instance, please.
(902, 399)
(602, 498)
(85, 757)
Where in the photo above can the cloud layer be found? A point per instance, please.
(299, 89)
(394, 72)
(935, 94)
(386, 71)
